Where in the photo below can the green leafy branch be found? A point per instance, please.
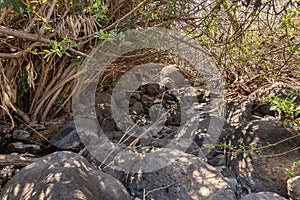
(98, 10)
(288, 106)
(17, 5)
(241, 148)
(291, 172)
(58, 49)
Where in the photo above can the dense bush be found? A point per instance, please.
(43, 42)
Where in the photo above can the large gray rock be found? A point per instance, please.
(263, 196)
(172, 174)
(293, 187)
(63, 175)
(263, 169)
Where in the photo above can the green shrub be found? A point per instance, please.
(287, 106)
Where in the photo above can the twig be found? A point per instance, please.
(33, 21)
(11, 118)
(22, 34)
(279, 154)
(36, 38)
(50, 11)
(124, 17)
(19, 53)
(12, 55)
(167, 186)
(39, 134)
(4, 13)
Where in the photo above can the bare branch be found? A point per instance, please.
(12, 55)
(50, 11)
(23, 35)
(124, 17)
(34, 37)
(17, 160)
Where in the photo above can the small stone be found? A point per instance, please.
(136, 95)
(174, 119)
(108, 124)
(36, 127)
(152, 89)
(25, 147)
(5, 128)
(8, 136)
(154, 112)
(21, 135)
(103, 109)
(218, 160)
(168, 97)
(102, 97)
(132, 101)
(137, 108)
(147, 100)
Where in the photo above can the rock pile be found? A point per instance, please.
(244, 165)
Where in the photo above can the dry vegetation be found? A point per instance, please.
(43, 43)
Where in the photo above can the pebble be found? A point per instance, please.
(147, 100)
(22, 146)
(137, 108)
(21, 135)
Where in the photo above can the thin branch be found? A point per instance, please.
(23, 35)
(35, 37)
(19, 53)
(4, 13)
(53, 90)
(23, 115)
(50, 104)
(113, 25)
(12, 55)
(33, 21)
(279, 154)
(35, 131)
(167, 186)
(11, 118)
(50, 11)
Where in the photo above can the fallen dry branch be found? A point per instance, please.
(17, 160)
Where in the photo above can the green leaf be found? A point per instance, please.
(55, 45)
(4, 4)
(59, 53)
(17, 6)
(67, 53)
